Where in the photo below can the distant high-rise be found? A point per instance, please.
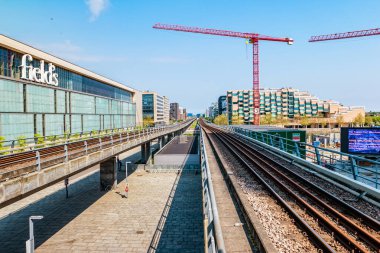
(154, 108)
(174, 111)
(222, 105)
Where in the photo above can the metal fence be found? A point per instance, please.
(356, 167)
(37, 142)
(212, 229)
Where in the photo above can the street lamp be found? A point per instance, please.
(126, 179)
(30, 242)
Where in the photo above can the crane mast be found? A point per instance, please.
(253, 38)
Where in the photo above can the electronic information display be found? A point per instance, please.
(361, 140)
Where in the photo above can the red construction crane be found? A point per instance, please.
(346, 35)
(253, 39)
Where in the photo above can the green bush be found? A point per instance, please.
(39, 139)
(2, 138)
(51, 138)
(21, 141)
(75, 136)
(66, 134)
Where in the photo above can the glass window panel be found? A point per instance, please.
(91, 122)
(54, 124)
(61, 103)
(11, 96)
(82, 103)
(39, 99)
(76, 123)
(14, 125)
(102, 106)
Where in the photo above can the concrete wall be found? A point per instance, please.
(137, 98)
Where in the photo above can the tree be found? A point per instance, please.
(359, 120)
(148, 121)
(368, 121)
(305, 121)
(340, 120)
(267, 119)
(323, 123)
(221, 120)
(236, 119)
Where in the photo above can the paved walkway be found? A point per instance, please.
(95, 221)
(114, 223)
(182, 224)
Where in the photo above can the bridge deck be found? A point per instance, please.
(95, 221)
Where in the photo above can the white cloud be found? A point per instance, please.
(96, 7)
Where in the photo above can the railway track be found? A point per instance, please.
(25, 162)
(17, 164)
(330, 223)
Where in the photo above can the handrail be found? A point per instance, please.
(63, 151)
(211, 212)
(72, 138)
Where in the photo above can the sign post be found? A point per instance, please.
(126, 179)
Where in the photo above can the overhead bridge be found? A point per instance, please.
(24, 173)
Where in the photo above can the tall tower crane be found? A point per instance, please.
(253, 38)
(346, 35)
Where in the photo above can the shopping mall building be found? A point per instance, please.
(43, 94)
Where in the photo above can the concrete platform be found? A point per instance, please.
(234, 235)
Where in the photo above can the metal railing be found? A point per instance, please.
(356, 167)
(37, 142)
(39, 158)
(212, 229)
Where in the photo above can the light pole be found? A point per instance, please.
(126, 178)
(30, 242)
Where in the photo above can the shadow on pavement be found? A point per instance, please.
(180, 228)
(56, 209)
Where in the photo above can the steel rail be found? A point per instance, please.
(347, 241)
(300, 221)
(343, 220)
(369, 221)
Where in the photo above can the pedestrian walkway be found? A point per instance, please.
(94, 221)
(181, 227)
(114, 223)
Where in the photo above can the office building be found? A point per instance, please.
(174, 111)
(45, 95)
(155, 108)
(166, 110)
(222, 105)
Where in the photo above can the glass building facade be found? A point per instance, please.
(148, 105)
(9, 66)
(77, 104)
(284, 102)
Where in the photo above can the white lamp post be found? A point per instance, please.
(30, 242)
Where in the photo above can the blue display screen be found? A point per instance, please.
(364, 141)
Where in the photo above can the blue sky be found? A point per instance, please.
(114, 38)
